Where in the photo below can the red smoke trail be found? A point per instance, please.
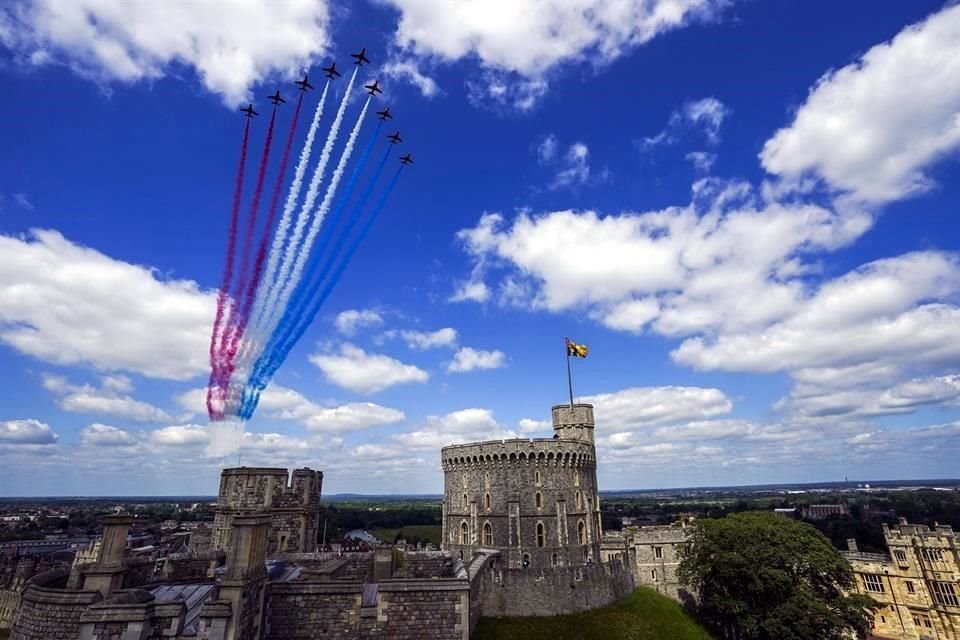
(251, 288)
(227, 336)
(228, 268)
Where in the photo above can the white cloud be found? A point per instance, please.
(410, 71)
(880, 314)
(21, 199)
(547, 149)
(702, 160)
(519, 43)
(467, 425)
(26, 432)
(529, 425)
(67, 304)
(104, 435)
(636, 407)
(347, 322)
(422, 340)
(108, 400)
(706, 115)
(871, 128)
(471, 290)
(180, 435)
(356, 370)
(280, 403)
(114, 40)
(577, 171)
(467, 359)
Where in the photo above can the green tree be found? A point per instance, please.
(760, 576)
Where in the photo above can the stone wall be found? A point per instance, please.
(424, 564)
(398, 610)
(551, 591)
(47, 612)
(184, 567)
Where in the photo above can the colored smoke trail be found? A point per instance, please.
(266, 289)
(228, 267)
(274, 304)
(252, 392)
(254, 280)
(229, 336)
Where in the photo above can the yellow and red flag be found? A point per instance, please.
(576, 350)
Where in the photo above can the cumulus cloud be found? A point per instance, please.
(354, 369)
(702, 161)
(26, 432)
(531, 426)
(180, 435)
(349, 321)
(872, 127)
(114, 40)
(467, 359)
(517, 44)
(409, 71)
(109, 399)
(280, 403)
(104, 435)
(67, 304)
(423, 340)
(705, 115)
(466, 425)
(630, 409)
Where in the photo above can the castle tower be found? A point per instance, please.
(533, 500)
(293, 506)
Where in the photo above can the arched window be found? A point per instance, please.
(464, 502)
(526, 560)
(579, 500)
(554, 560)
(486, 481)
(486, 501)
(540, 535)
(464, 481)
(536, 477)
(581, 532)
(653, 575)
(576, 478)
(539, 500)
(487, 534)
(464, 533)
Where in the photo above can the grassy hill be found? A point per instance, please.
(645, 615)
(423, 531)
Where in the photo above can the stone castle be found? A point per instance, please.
(521, 536)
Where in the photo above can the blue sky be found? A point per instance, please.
(747, 210)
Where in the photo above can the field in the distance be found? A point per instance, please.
(429, 532)
(645, 615)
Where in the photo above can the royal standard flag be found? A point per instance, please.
(574, 349)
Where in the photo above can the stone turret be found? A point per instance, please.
(573, 422)
(106, 574)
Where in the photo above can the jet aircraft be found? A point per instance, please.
(385, 114)
(303, 84)
(373, 89)
(331, 71)
(275, 98)
(360, 57)
(395, 138)
(249, 111)
(406, 159)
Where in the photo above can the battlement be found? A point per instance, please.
(905, 533)
(569, 453)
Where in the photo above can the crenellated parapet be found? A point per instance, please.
(561, 453)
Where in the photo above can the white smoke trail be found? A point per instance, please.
(267, 288)
(279, 294)
(317, 221)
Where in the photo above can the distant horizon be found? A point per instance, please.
(891, 483)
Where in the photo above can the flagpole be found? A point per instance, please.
(569, 374)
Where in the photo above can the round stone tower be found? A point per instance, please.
(533, 500)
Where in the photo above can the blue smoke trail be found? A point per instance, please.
(301, 295)
(250, 402)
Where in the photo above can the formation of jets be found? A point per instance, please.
(331, 72)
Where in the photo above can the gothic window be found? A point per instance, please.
(464, 533)
(932, 554)
(540, 534)
(579, 500)
(487, 534)
(582, 532)
(539, 500)
(872, 582)
(536, 478)
(486, 501)
(486, 481)
(576, 478)
(464, 502)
